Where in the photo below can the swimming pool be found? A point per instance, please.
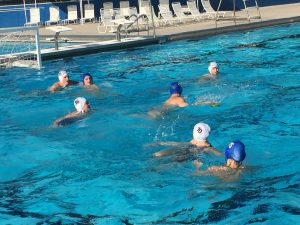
(99, 171)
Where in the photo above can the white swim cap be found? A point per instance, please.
(201, 131)
(62, 74)
(79, 104)
(212, 65)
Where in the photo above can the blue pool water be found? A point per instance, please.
(100, 170)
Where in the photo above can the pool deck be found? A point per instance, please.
(88, 32)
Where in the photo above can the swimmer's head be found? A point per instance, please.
(62, 75)
(236, 151)
(175, 88)
(87, 79)
(213, 68)
(201, 131)
(81, 105)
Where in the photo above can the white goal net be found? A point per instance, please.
(20, 47)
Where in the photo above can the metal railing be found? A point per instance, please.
(127, 29)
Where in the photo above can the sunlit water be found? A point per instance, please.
(99, 171)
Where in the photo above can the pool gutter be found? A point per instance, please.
(96, 47)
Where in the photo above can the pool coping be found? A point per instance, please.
(232, 28)
(96, 47)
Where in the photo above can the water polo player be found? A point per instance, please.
(64, 81)
(235, 154)
(82, 107)
(88, 81)
(198, 144)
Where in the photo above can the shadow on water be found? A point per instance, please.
(264, 190)
(15, 200)
(258, 193)
(264, 44)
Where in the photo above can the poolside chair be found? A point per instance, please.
(146, 11)
(210, 10)
(133, 11)
(180, 14)
(89, 13)
(133, 16)
(35, 17)
(127, 11)
(144, 8)
(124, 8)
(116, 14)
(166, 14)
(72, 15)
(109, 8)
(106, 23)
(195, 11)
(124, 4)
(143, 3)
(54, 16)
(164, 2)
(108, 5)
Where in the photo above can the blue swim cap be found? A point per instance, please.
(175, 88)
(85, 75)
(235, 151)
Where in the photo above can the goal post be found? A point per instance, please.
(20, 46)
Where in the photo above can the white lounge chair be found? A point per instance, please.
(195, 11)
(180, 14)
(54, 16)
(210, 10)
(133, 16)
(72, 15)
(166, 14)
(89, 13)
(143, 3)
(116, 14)
(133, 11)
(124, 8)
(106, 23)
(108, 5)
(164, 2)
(146, 11)
(128, 13)
(124, 4)
(35, 17)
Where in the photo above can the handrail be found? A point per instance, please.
(137, 22)
(118, 33)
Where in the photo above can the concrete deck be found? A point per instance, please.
(272, 15)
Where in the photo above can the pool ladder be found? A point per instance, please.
(256, 10)
(126, 28)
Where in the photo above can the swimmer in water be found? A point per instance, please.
(176, 99)
(234, 155)
(213, 69)
(88, 82)
(198, 144)
(64, 81)
(82, 109)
